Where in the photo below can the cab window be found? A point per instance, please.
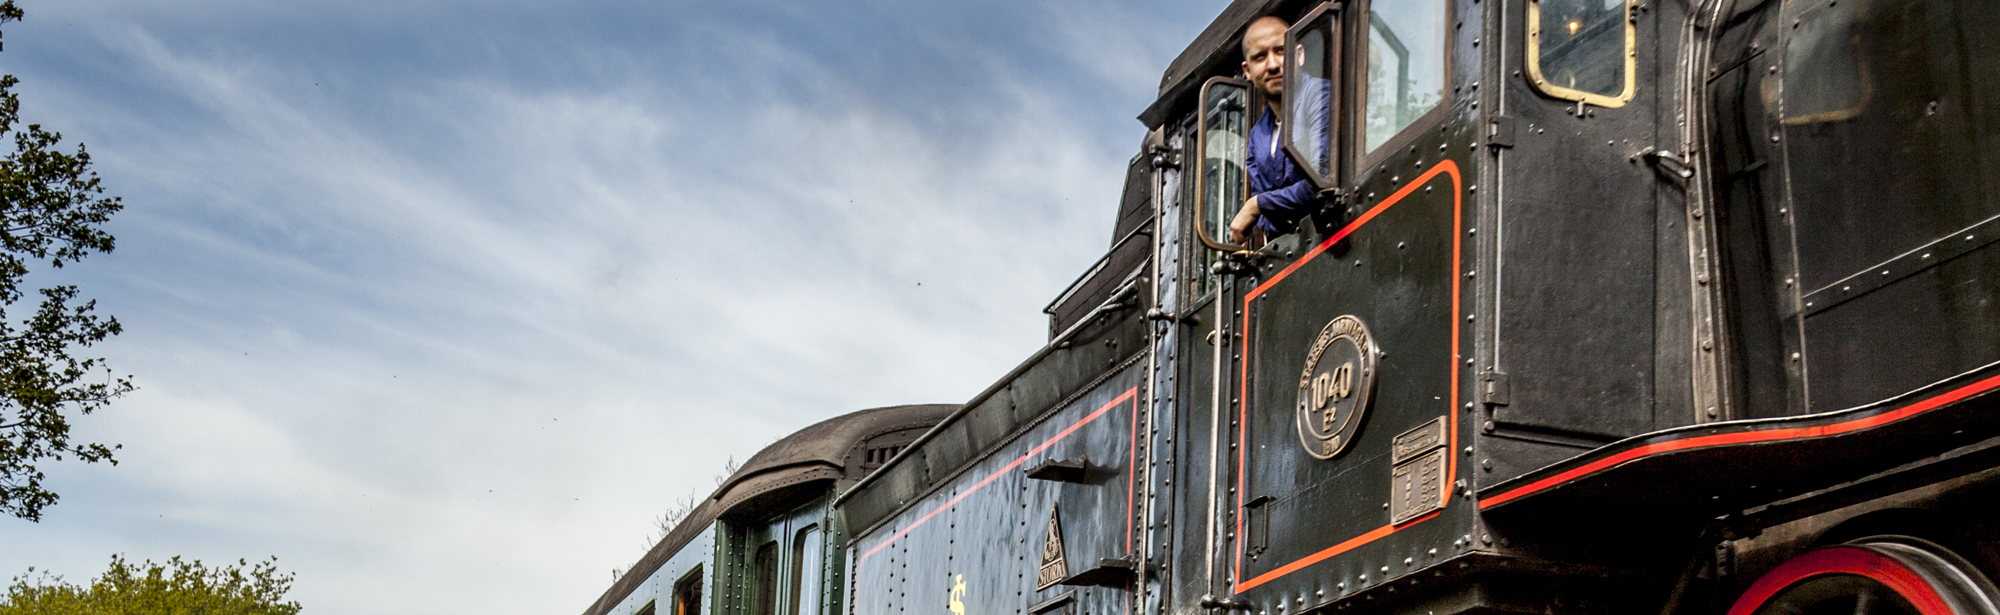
(1223, 182)
(1312, 47)
(1225, 178)
(1404, 73)
(1583, 50)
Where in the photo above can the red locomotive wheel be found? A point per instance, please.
(1875, 576)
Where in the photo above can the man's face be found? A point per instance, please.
(1264, 56)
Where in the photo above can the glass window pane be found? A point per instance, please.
(1405, 66)
(806, 567)
(1583, 47)
(1223, 169)
(1223, 181)
(1307, 88)
(687, 594)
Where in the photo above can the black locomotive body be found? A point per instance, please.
(1605, 307)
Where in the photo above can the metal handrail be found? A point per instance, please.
(1144, 228)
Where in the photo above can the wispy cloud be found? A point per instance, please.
(445, 328)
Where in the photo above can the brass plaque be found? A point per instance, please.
(1417, 486)
(1335, 385)
(1055, 566)
(1414, 442)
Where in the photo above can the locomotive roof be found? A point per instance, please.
(820, 452)
(1214, 51)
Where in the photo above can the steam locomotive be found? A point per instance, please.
(1605, 306)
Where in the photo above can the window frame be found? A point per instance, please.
(801, 538)
(766, 563)
(1365, 159)
(1336, 77)
(1201, 159)
(684, 601)
(1541, 84)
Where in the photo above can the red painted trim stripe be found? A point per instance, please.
(1744, 437)
(1443, 167)
(1844, 560)
(1131, 476)
(1345, 546)
(1130, 394)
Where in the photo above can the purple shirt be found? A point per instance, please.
(1282, 190)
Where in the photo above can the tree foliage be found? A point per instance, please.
(52, 212)
(176, 587)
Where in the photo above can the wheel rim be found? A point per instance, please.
(1875, 576)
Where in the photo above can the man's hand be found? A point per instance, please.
(1239, 228)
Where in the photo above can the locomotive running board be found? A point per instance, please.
(1720, 468)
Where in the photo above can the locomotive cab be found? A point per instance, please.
(1584, 277)
(1595, 306)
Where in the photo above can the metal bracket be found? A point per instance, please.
(1164, 157)
(1666, 163)
(1051, 604)
(1257, 525)
(1061, 470)
(1332, 197)
(1242, 262)
(1230, 604)
(1493, 389)
(1500, 132)
(1110, 572)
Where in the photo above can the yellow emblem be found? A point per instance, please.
(956, 605)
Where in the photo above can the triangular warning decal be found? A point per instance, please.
(1055, 568)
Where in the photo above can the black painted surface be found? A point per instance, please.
(1577, 286)
(985, 527)
(1887, 131)
(1577, 290)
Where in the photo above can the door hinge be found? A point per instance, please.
(1493, 388)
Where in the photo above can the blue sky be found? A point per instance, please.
(442, 302)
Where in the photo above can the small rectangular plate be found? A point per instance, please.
(1417, 441)
(1417, 487)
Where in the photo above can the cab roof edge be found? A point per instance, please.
(1212, 46)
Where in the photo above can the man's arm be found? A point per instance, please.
(1278, 210)
(1247, 217)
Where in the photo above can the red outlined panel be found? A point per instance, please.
(1130, 396)
(1446, 168)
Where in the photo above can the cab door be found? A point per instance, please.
(1607, 323)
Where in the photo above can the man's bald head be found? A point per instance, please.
(1264, 55)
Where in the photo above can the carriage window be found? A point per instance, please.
(687, 594)
(766, 580)
(1312, 46)
(1224, 181)
(806, 553)
(1583, 50)
(1405, 75)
